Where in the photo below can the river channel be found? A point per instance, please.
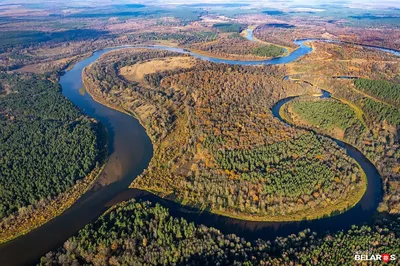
(131, 152)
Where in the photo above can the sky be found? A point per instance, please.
(349, 3)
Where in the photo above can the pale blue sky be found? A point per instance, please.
(276, 3)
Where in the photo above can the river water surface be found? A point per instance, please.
(131, 152)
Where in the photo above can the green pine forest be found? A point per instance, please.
(327, 113)
(385, 90)
(143, 233)
(46, 144)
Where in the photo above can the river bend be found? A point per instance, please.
(131, 153)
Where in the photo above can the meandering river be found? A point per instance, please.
(131, 153)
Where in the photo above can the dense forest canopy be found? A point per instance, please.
(383, 89)
(229, 27)
(46, 144)
(12, 39)
(183, 38)
(327, 114)
(268, 51)
(137, 232)
(382, 112)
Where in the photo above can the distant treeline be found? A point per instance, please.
(181, 37)
(14, 39)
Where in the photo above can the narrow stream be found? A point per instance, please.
(131, 153)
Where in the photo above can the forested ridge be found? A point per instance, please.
(46, 144)
(217, 144)
(142, 233)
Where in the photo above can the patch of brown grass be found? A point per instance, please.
(138, 71)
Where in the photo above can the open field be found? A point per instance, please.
(136, 72)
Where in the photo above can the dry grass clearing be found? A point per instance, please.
(42, 68)
(138, 71)
(55, 65)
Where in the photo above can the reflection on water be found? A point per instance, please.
(249, 35)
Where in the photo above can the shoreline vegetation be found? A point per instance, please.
(98, 98)
(36, 216)
(310, 214)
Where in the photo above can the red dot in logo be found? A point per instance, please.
(385, 257)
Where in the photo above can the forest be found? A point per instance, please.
(218, 146)
(46, 144)
(327, 114)
(303, 28)
(14, 39)
(379, 140)
(140, 232)
(280, 36)
(283, 170)
(382, 89)
(237, 47)
(382, 112)
(268, 51)
(229, 27)
(183, 38)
